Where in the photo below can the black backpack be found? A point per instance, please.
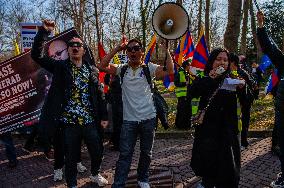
(161, 105)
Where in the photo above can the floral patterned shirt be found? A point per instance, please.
(79, 109)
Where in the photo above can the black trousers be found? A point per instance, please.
(245, 109)
(117, 120)
(184, 113)
(279, 120)
(73, 135)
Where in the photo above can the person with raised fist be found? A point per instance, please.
(73, 103)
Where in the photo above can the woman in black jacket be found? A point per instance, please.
(216, 150)
(277, 58)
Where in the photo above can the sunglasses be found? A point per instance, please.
(135, 48)
(75, 44)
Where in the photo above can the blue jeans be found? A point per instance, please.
(145, 129)
(7, 140)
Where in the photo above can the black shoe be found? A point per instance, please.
(13, 164)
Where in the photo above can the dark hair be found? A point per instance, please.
(234, 58)
(212, 57)
(185, 63)
(135, 40)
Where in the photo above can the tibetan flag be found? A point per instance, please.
(150, 49)
(273, 81)
(201, 54)
(101, 50)
(16, 48)
(185, 49)
(169, 79)
(265, 63)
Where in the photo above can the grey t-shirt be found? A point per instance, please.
(136, 94)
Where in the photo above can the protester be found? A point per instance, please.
(117, 110)
(216, 150)
(139, 114)
(73, 103)
(277, 58)
(7, 140)
(184, 110)
(246, 97)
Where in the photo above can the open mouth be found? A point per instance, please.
(75, 51)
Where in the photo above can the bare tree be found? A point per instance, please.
(199, 16)
(207, 25)
(233, 26)
(253, 29)
(243, 46)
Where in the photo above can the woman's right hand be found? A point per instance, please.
(48, 25)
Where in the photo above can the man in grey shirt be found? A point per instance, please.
(139, 113)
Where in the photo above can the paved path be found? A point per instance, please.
(259, 166)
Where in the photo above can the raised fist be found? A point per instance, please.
(48, 25)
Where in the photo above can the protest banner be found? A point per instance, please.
(24, 84)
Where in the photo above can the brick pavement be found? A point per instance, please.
(259, 166)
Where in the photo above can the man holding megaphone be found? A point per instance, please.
(139, 113)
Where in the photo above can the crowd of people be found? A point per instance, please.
(75, 110)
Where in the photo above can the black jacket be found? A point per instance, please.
(60, 89)
(271, 50)
(277, 57)
(246, 94)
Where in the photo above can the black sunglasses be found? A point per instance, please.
(135, 48)
(75, 44)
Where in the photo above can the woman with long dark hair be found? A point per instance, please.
(216, 150)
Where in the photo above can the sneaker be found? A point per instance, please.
(143, 184)
(101, 181)
(58, 175)
(278, 183)
(81, 168)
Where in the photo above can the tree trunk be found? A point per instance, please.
(199, 16)
(124, 17)
(207, 21)
(243, 47)
(143, 12)
(233, 26)
(97, 21)
(253, 29)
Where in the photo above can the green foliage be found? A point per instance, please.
(274, 22)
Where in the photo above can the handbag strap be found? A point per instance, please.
(212, 96)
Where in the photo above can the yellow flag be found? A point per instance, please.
(16, 48)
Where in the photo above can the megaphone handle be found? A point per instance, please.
(165, 61)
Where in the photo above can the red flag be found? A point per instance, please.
(102, 52)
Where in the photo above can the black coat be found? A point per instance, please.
(277, 57)
(60, 89)
(216, 151)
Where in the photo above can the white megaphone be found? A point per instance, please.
(170, 21)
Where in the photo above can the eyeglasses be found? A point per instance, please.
(75, 44)
(135, 48)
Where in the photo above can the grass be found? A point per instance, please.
(262, 112)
